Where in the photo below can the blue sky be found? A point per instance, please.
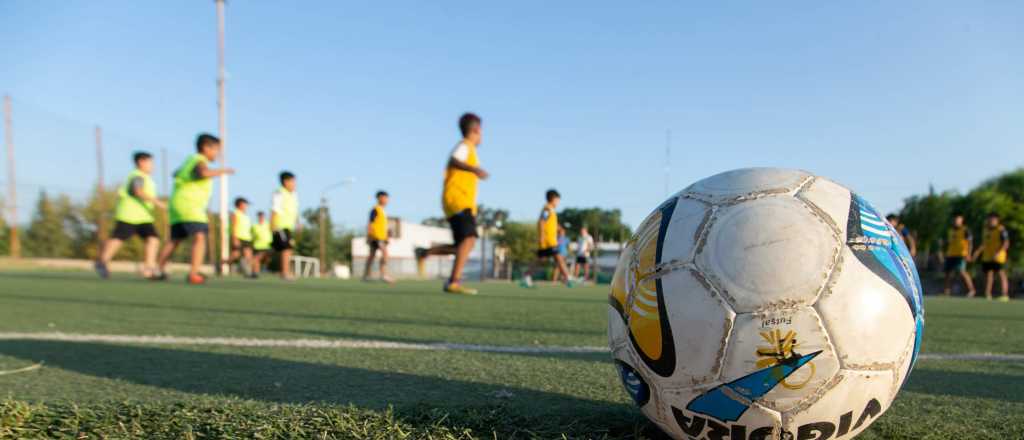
(885, 97)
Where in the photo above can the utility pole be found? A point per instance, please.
(668, 161)
(101, 220)
(15, 244)
(163, 188)
(323, 235)
(223, 130)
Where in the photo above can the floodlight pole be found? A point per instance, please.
(12, 209)
(223, 131)
(101, 220)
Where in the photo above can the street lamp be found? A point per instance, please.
(323, 218)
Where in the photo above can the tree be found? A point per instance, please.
(50, 232)
(604, 223)
(520, 238)
(4, 247)
(339, 245)
(928, 217)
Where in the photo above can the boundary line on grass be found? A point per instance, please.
(388, 345)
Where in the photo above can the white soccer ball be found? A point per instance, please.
(765, 304)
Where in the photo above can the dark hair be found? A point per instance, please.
(261, 214)
(993, 215)
(140, 156)
(892, 217)
(552, 194)
(285, 175)
(381, 193)
(240, 201)
(467, 121)
(205, 139)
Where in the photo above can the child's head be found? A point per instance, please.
(893, 219)
(260, 216)
(993, 219)
(143, 161)
(241, 204)
(287, 180)
(208, 145)
(553, 197)
(958, 220)
(471, 127)
(382, 198)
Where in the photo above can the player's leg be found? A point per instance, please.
(989, 278)
(576, 268)
(968, 282)
(462, 251)
(586, 270)
(286, 267)
(384, 263)
(198, 256)
(246, 264)
(150, 249)
(256, 263)
(1004, 284)
(368, 269)
(562, 268)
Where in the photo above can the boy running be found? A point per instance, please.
(547, 234)
(241, 236)
(957, 255)
(262, 237)
(995, 244)
(284, 221)
(136, 203)
(458, 199)
(377, 238)
(908, 237)
(193, 185)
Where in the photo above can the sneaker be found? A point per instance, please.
(101, 269)
(195, 279)
(253, 276)
(458, 289)
(387, 279)
(1004, 299)
(159, 276)
(971, 294)
(526, 282)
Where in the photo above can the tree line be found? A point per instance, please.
(928, 216)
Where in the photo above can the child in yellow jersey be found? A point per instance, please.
(957, 254)
(241, 237)
(995, 245)
(262, 239)
(458, 200)
(193, 185)
(135, 213)
(547, 235)
(377, 238)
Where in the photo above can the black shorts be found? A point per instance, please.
(463, 226)
(991, 266)
(124, 231)
(547, 252)
(376, 244)
(955, 264)
(282, 240)
(581, 260)
(242, 245)
(181, 231)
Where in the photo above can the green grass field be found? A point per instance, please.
(111, 390)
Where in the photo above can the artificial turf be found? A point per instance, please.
(105, 390)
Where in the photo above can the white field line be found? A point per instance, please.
(378, 344)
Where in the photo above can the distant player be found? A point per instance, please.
(563, 251)
(134, 215)
(377, 238)
(458, 199)
(547, 234)
(193, 185)
(284, 221)
(957, 255)
(584, 246)
(995, 245)
(908, 237)
(241, 237)
(262, 238)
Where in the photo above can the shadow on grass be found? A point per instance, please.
(286, 381)
(1005, 387)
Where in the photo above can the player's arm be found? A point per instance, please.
(1006, 240)
(458, 164)
(369, 224)
(204, 172)
(234, 230)
(137, 192)
(912, 244)
(972, 254)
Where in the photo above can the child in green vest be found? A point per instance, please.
(193, 185)
(134, 215)
(241, 237)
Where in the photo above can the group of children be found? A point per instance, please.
(187, 214)
(993, 252)
(251, 243)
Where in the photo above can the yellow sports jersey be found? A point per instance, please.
(992, 240)
(549, 228)
(459, 193)
(243, 226)
(958, 242)
(378, 224)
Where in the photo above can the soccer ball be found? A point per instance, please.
(765, 304)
